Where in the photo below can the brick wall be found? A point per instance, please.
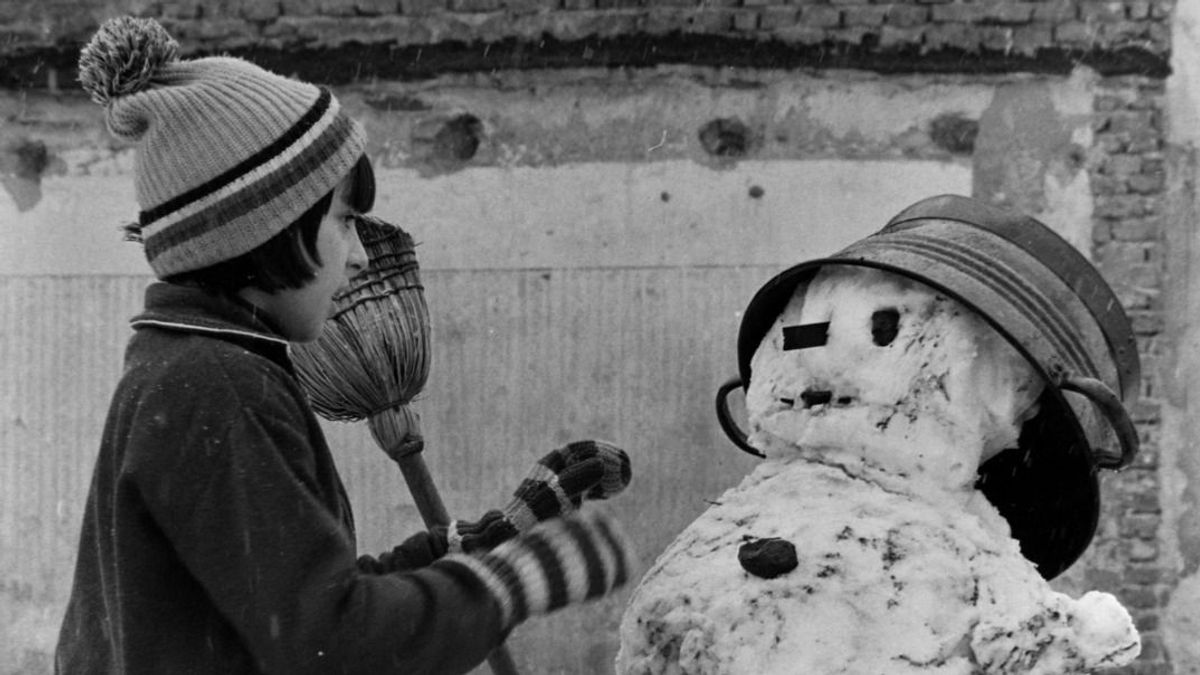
(415, 38)
(1129, 183)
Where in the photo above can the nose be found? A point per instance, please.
(356, 258)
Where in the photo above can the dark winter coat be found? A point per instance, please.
(218, 537)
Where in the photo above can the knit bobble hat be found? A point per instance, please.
(228, 154)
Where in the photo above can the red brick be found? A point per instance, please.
(821, 16)
(376, 7)
(996, 38)
(1142, 526)
(259, 11)
(578, 4)
(526, 6)
(659, 21)
(1147, 183)
(1008, 12)
(854, 34)
(421, 6)
(957, 13)
(801, 33)
(1027, 40)
(1121, 165)
(745, 21)
(907, 15)
(474, 6)
(709, 21)
(864, 15)
(300, 7)
(776, 18)
(898, 36)
(1056, 11)
(182, 9)
(1137, 9)
(1118, 31)
(1136, 229)
(1075, 32)
(1146, 621)
(336, 7)
(1152, 648)
(949, 35)
(1114, 10)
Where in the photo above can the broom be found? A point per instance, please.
(372, 358)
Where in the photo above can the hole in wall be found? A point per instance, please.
(458, 138)
(726, 137)
(954, 133)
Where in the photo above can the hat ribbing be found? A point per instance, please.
(229, 154)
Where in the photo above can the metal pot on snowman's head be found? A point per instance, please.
(1052, 305)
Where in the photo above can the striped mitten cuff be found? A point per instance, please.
(563, 478)
(465, 536)
(560, 562)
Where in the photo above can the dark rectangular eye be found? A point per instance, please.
(885, 323)
(805, 336)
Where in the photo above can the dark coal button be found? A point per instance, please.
(767, 558)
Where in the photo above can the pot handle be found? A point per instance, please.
(1114, 412)
(725, 418)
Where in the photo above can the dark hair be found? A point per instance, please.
(288, 259)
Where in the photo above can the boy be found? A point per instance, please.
(217, 536)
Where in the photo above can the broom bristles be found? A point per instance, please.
(372, 356)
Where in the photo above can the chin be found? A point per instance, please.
(305, 335)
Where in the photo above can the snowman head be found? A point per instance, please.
(887, 377)
(946, 269)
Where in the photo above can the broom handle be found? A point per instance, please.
(433, 512)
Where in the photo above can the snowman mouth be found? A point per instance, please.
(816, 398)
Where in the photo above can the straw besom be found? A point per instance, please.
(372, 359)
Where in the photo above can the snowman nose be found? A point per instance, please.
(815, 397)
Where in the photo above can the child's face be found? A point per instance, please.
(300, 313)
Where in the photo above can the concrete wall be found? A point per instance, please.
(590, 235)
(1181, 480)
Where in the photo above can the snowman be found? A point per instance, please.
(932, 405)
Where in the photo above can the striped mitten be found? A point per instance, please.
(559, 562)
(558, 484)
(562, 479)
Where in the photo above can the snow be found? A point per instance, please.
(902, 566)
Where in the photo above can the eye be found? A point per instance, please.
(885, 323)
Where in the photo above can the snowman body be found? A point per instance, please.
(875, 400)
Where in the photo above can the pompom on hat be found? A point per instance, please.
(229, 154)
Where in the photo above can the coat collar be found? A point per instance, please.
(193, 310)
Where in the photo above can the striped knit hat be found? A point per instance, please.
(229, 154)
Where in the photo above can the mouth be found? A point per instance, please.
(813, 398)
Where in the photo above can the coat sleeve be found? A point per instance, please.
(235, 491)
(413, 553)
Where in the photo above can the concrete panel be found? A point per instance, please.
(659, 214)
(1181, 481)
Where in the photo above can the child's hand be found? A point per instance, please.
(557, 486)
(559, 562)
